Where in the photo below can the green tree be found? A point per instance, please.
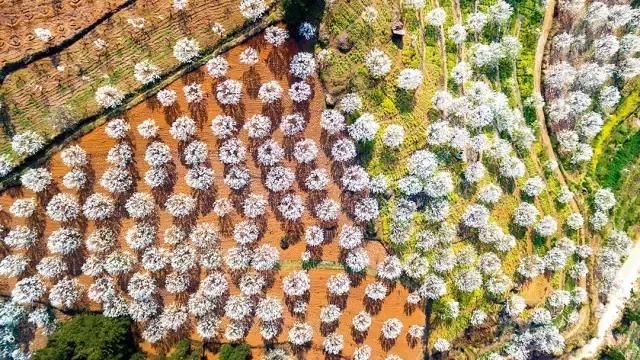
(297, 11)
(185, 351)
(235, 352)
(90, 337)
(612, 354)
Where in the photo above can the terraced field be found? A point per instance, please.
(147, 29)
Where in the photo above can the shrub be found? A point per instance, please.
(90, 337)
(235, 352)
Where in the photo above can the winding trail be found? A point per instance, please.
(537, 89)
(625, 281)
(584, 234)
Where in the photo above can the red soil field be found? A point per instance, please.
(273, 66)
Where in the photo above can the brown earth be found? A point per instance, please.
(272, 65)
(63, 18)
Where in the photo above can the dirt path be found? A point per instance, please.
(443, 51)
(625, 282)
(457, 14)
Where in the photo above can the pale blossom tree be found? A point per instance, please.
(186, 50)
(193, 93)
(166, 97)
(355, 178)
(333, 344)
(229, 92)
(237, 178)
(357, 259)
(500, 12)
(270, 92)
(291, 207)
(366, 210)
(116, 180)
(391, 328)
(457, 33)
(531, 266)
(246, 232)
(270, 153)
(317, 180)
(276, 35)
(23, 208)
(376, 291)
(145, 72)
(148, 129)
(436, 17)
(6, 164)
(120, 155)
(525, 214)
(180, 205)
(269, 309)
(183, 128)
(63, 207)
(378, 63)
(98, 207)
(604, 199)
(364, 128)
(393, 136)
(332, 121)
(252, 10)
(314, 235)
(200, 177)
(296, 283)
(433, 287)
(475, 216)
(461, 72)
(64, 241)
(109, 97)
(279, 178)
(477, 21)
(28, 290)
(300, 334)
(14, 265)
(27, 143)
(217, 67)
(232, 152)
(302, 65)
(350, 103)
(300, 91)
(327, 210)
(343, 150)
(534, 186)
(410, 79)
(223, 126)
(292, 124)
(547, 226)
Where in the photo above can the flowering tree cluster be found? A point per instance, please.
(600, 44)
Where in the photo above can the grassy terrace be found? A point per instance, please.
(616, 161)
(389, 105)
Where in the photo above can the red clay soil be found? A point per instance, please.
(273, 61)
